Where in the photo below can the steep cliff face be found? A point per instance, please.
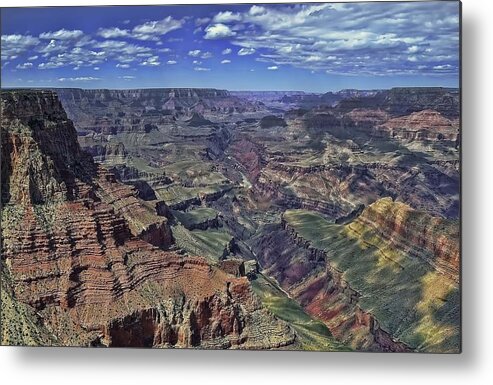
(39, 155)
(336, 189)
(84, 256)
(249, 154)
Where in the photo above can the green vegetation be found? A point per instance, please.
(195, 173)
(313, 335)
(12, 216)
(196, 216)
(20, 325)
(213, 244)
(410, 299)
(175, 194)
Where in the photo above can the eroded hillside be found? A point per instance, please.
(203, 218)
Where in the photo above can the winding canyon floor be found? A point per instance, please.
(232, 221)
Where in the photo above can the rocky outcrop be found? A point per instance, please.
(326, 99)
(434, 240)
(39, 157)
(111, 152)
(406, 100)
(216, 322)
(365, 117)
(78, 248)
(197, 120)
(234, 266)
(337, 188)
(403, 101)
(142, 217)
(373, 281)
(271, 121)
(427, 125)
(249, 155)
(130, 175)
(217, 142)
(334, 190)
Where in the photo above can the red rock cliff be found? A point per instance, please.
(77, 250)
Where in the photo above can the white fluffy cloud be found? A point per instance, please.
(152, 30)
(355, 38)
(50, 65)
(344, 38)
(112, 33)
(199, 53)
(226, 17)
(273, 68)
(53, 46)
(202, 20)
(148, 31)
(15, 45)
(171, 62)
(225, 61)
(201, 69)
(194, 53)
(24, 66)
(62, 34)
(218, 31)
(246, 51)
(152, 61)
(79, 79)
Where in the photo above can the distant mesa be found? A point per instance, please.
(404, 101)
(272, 121)
(198, 120)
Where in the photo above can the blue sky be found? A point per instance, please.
(311, 47)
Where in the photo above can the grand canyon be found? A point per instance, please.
(213, 219)
(236, 176)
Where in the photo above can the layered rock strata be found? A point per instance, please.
(76, 248)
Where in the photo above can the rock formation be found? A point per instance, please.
(390, 263)
(406, 100)
(204, 218)
(143, 110)
(426, 125)
(76, 248)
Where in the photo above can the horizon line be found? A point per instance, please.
(224, 89)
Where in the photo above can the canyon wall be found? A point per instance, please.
(96, 264)
(144, 110)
